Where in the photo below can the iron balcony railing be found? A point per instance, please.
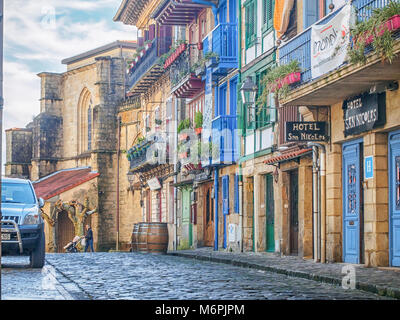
(144, 65)
(224, 140)
(299, 48)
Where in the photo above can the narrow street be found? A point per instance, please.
(127, 276)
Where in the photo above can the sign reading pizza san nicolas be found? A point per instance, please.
(363, 113)
(306, 131)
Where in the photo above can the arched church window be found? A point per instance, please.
(89, 121)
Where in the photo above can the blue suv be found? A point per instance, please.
(22, 226)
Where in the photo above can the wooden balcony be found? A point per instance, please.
(223, 41)
(178, 12)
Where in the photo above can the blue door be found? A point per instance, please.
(394, 198)
(225, 204)
(222, 12)
(351, 202)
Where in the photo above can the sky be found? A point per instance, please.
(38, 34)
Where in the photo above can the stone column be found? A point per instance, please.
(334, 203)
(257, 190)
(376, 212)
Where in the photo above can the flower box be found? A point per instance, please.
(183, 155)
(391, 25)
(289, 79)
(183, 136)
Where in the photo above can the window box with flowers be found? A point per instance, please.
(376, 31)
(278, 80)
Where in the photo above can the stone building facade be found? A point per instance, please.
(77, 127)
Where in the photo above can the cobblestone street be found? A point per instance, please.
(139, 276)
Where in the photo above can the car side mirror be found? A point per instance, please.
(41, 203)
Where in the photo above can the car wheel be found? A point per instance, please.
(37, 255)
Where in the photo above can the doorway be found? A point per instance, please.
(394, 199)
(208, 217)
(352, 202)
(294, 211)
(269, 214)
(65, 231)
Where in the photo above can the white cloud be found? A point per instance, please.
(31, 45)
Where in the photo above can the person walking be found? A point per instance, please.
(89, 238)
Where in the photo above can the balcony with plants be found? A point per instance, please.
(145, 154)
(374, 45)
(185, 74)
(146, 65)
(220, 48)
(190, 152)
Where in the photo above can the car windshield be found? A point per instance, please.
(17, 193)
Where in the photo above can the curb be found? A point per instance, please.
(364, 286)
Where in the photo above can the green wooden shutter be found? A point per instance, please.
(251, 23)
(268, 15)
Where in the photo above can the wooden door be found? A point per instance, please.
(351, 202)
(294, 212)
(269, 214)
(208, 218)
(65, 231)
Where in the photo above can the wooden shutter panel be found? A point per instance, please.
(225, 195)
(311, 12)
(236, 194)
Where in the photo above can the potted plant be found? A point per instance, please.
(198, 120)
(211, 59)
(184, 124)
(278, 80)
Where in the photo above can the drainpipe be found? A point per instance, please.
(118, 156)
(216, 187)
(319, 202)
(241, 207)
(175, 179)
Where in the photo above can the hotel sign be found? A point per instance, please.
(363, 113)
(306, 131)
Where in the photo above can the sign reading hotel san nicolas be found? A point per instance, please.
(306, 131)
(363, 113)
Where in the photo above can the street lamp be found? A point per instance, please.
(249, 91)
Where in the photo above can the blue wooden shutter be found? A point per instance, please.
(310, 13)
(225, 195)
(236, 194)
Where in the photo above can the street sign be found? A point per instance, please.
(369, 167)
(306, 131)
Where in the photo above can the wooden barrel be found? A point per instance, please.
(142, 237)
(157, 237)
(135, 234)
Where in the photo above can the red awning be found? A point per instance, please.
(288, 156)
(62, 181)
